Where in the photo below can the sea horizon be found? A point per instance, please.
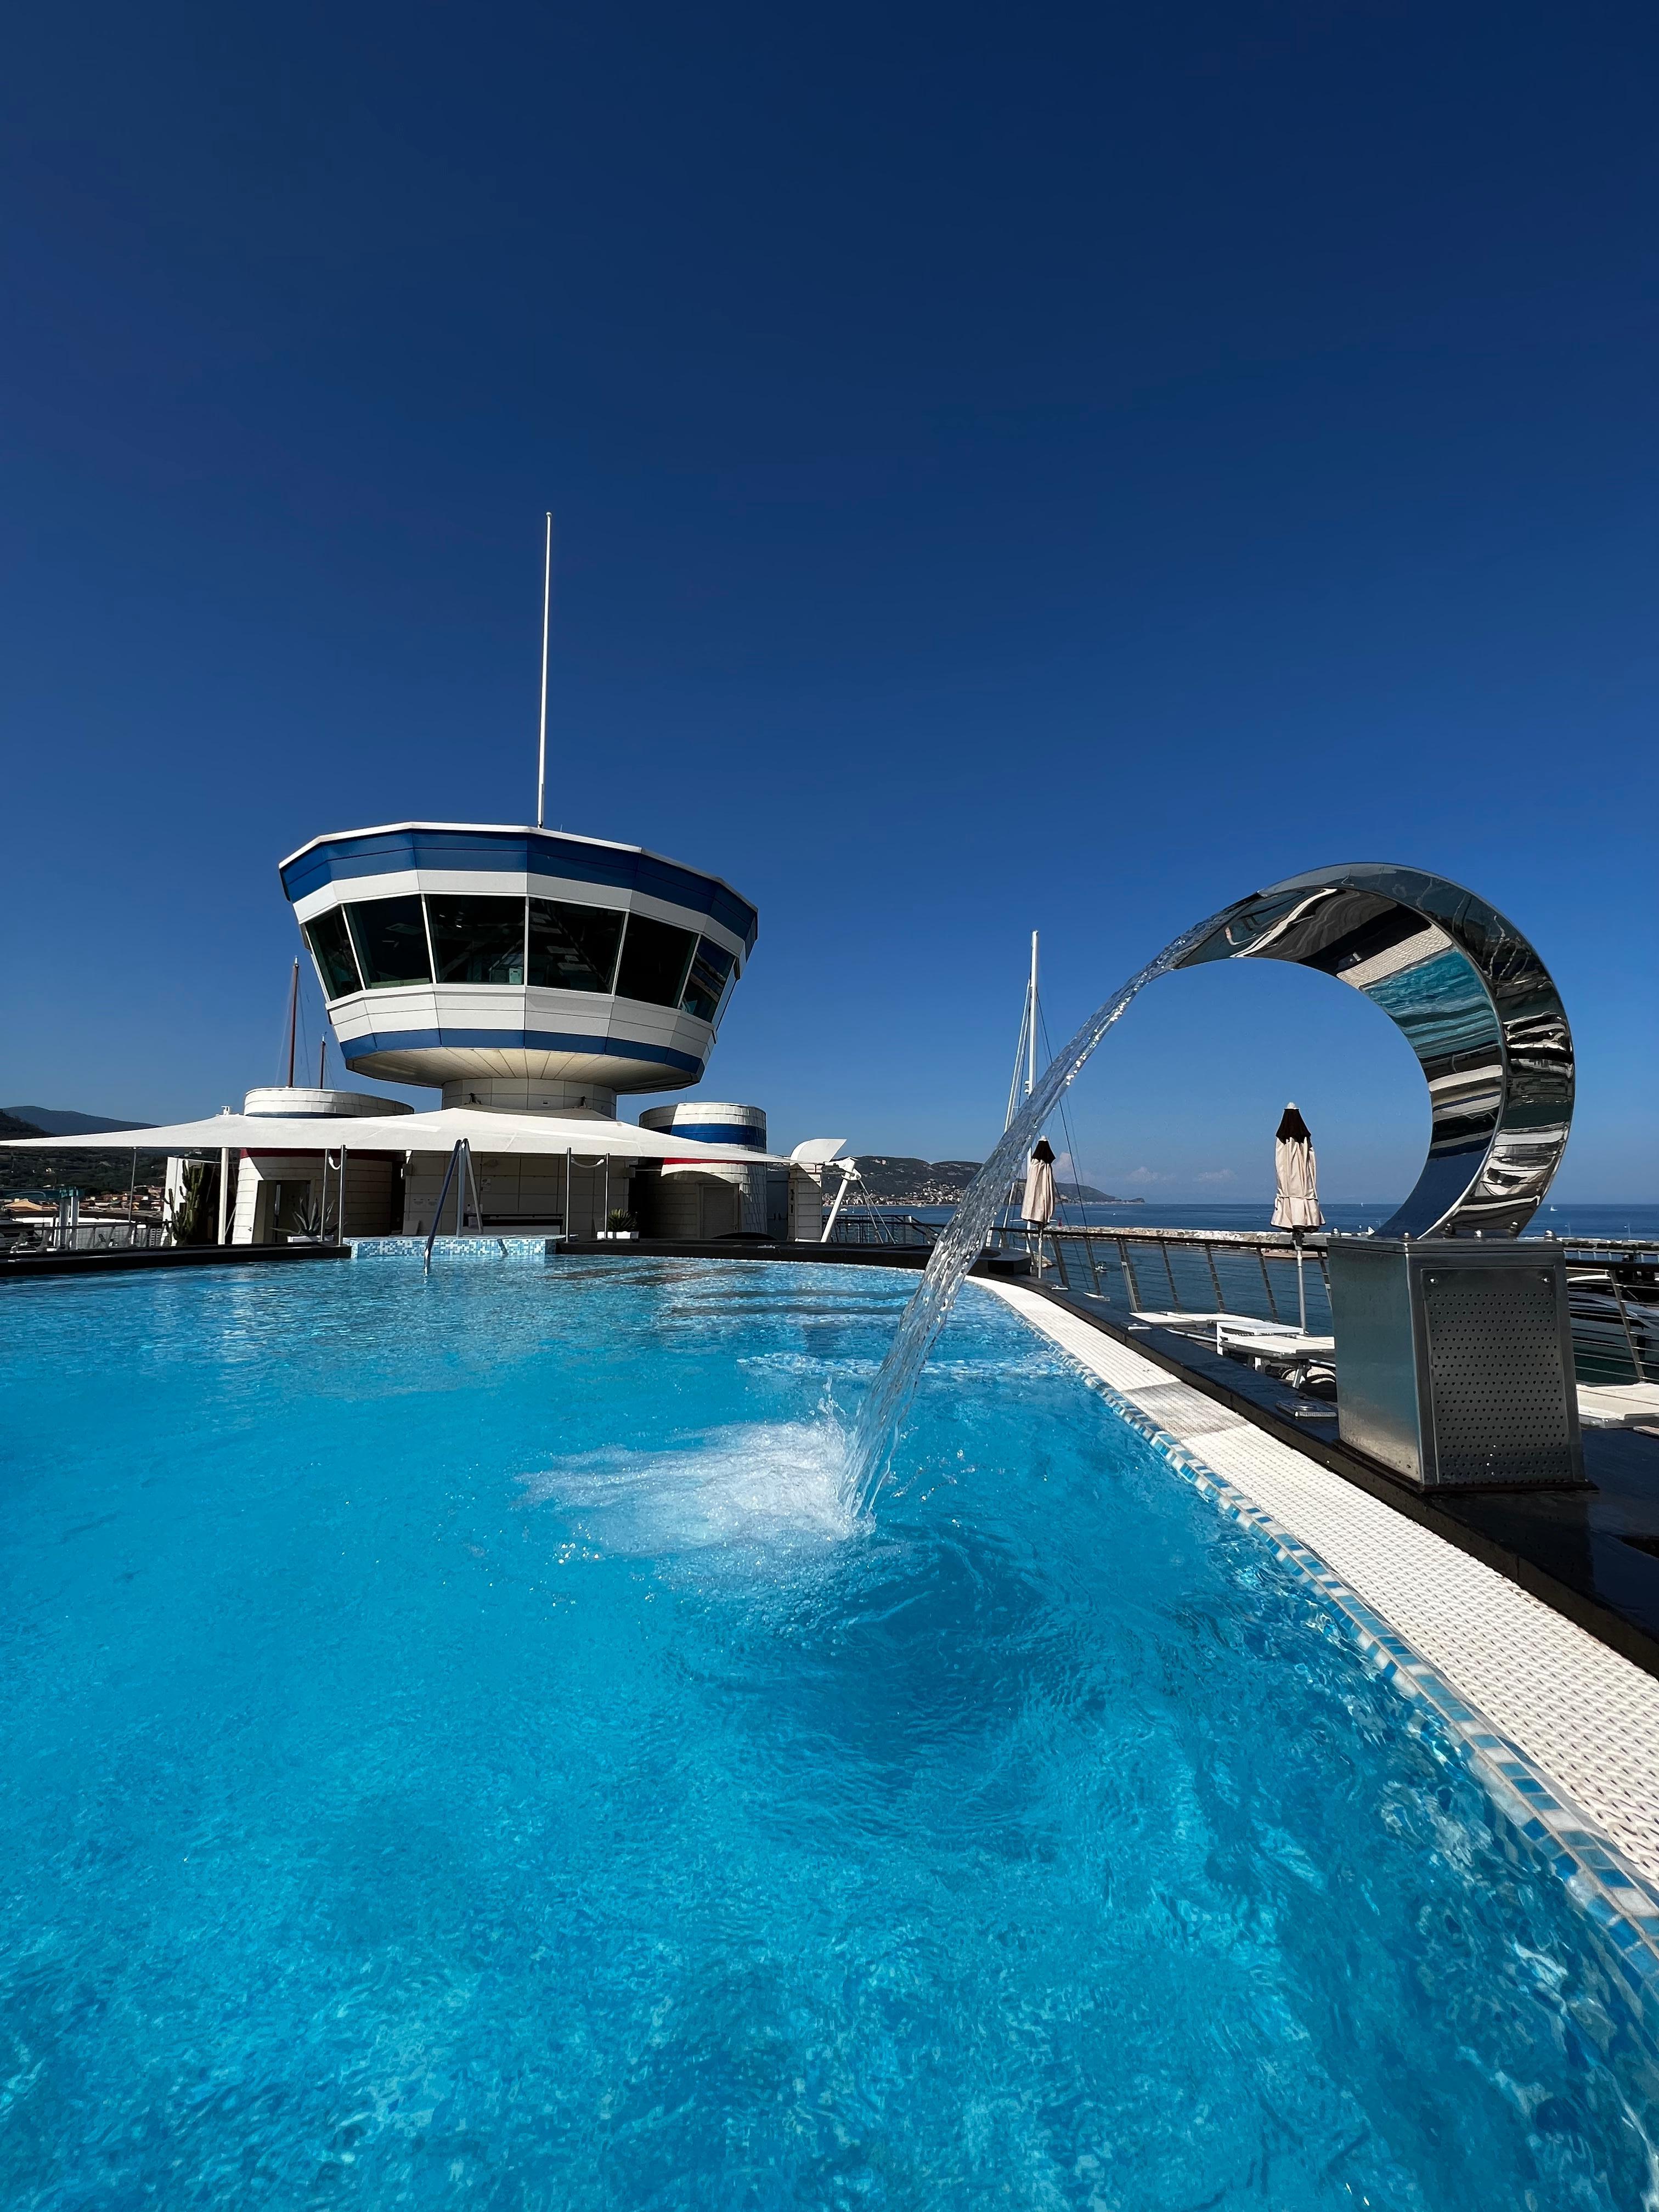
(1611, 1220)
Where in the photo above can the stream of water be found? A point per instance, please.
(875, 1430)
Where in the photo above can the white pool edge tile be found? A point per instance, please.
(1562, 1732)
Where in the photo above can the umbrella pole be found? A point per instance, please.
(1301, 1287)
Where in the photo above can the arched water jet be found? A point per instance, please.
(965, 1235)
(1472, 999)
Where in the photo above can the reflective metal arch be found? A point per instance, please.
(1474, 1002)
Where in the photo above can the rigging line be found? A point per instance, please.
(1020, 1049)
(1065, 1118)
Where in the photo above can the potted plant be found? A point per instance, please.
(620, 1225)
(187, 1213)
(307, 1222)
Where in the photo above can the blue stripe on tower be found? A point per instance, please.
(391, 851)
(658, 1056)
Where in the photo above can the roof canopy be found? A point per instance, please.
(587, 1136)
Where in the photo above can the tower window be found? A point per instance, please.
(390, 935)
(331, 948)
(476, 941)
(705, 987)
(572, 948)
(655, 958)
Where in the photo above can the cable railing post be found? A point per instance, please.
(1630, 1338)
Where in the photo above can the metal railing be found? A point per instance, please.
(1223, 1271)
(875, 1225)
(27, 1237)
(1613, 1287)
(1613, 1283)
(1613, 1291)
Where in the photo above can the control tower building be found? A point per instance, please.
(524, 972)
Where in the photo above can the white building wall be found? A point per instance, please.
(370, 1194)
(517, 1192)
(699, 1209)
(806, 1206)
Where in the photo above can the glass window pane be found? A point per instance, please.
(655, 956)
(572, 948)
(391, 940)
(331, 948)
(476, 941)
(711, 969)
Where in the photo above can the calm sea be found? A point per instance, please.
(1566, 1220)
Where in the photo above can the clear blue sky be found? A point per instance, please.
(1050, 468)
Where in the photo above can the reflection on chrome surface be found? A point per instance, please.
(1474, 1002)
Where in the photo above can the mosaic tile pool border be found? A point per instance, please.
(1534, 1814)
(526, 1250)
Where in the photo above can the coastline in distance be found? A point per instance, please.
(894, 1179)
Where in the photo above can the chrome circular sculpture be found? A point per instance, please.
(1472, 999)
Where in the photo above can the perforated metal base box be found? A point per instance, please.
(1453, 1360)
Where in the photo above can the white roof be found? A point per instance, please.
(511, 830)
(817, 1152)
(588, 1136)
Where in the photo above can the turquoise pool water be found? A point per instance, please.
(457, 1751)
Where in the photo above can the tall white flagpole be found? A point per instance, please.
(541, 748)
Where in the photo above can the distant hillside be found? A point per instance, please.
(63, 1121)
(55, 1171)
(896, 1180)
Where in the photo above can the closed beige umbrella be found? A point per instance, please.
(1038, 1207)
(1296, 1199)
(1295, 1202)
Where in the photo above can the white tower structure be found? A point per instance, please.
(522, 969)
(525, 970)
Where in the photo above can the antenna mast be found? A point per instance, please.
(541, 749)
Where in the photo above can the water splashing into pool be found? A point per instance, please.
(875, 1430)
(754, 1492)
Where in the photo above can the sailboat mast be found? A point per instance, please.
(293, 1019)
(1031, 1023)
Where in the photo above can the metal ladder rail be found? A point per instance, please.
(462, 1151)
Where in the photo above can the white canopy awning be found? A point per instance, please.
(588, 1136)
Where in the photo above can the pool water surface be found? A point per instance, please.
(459, 1750)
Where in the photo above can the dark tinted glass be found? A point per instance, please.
(655, 956)
(476, 941)
(391, 940)
(331, 948)
(710, 968)
(573, 948)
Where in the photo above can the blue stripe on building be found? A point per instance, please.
(346, 859)
(457, 1040)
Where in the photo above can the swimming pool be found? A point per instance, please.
(457, 1750)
